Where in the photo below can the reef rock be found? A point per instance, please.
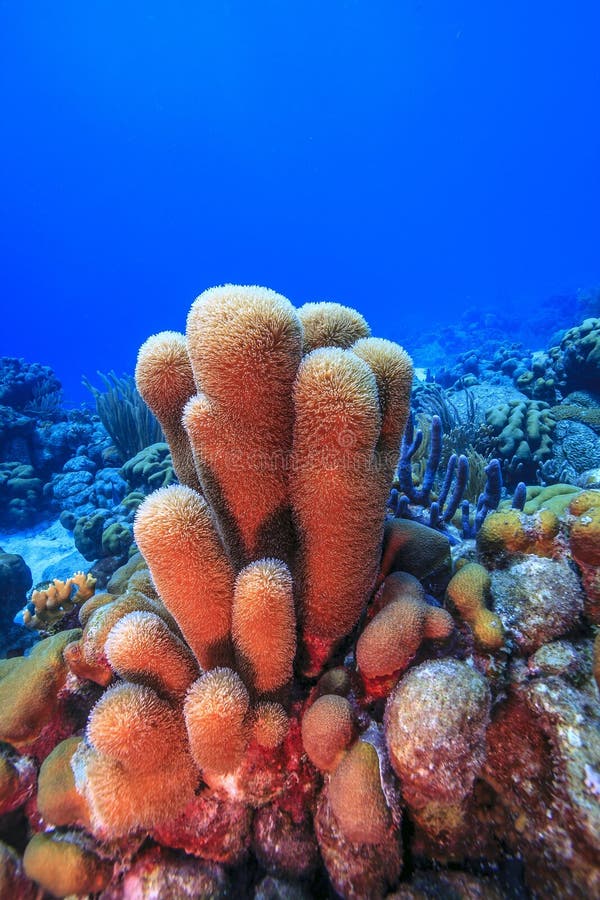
(537, 599)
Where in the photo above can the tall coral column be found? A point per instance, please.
(245, 346)
(175, 531)
(284, 427)
(348, 417)
(337, 424)
(164, 378)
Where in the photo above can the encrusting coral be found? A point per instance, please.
(50, 604)
(469, 591)
(277, 673)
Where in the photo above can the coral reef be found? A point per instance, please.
(570, 362)
(21, 382)
(577, 358)
(15, 581)
(523, 431)
(37, 438)
(124, 415)
(288, 691)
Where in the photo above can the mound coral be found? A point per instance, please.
(584, 533)
(21, 493)
(58, 800)
(577, 358)
(357, 798)
(440, 697)
(584, 539)
(63, 865)
(31, 692)
(413, 548)
(535, 617)
(510, 531)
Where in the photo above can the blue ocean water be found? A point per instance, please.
(418, 160)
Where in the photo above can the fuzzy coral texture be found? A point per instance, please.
(285, 695)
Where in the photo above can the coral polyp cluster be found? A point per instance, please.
(48, 605)
(283, 690)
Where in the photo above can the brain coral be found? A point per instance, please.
(523, 430)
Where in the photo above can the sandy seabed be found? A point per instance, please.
(48, 550)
